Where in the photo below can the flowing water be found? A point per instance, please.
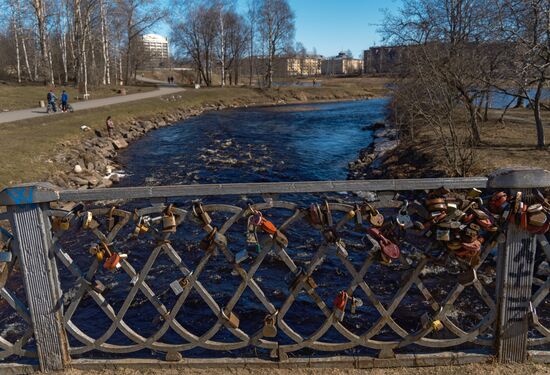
(289, 143)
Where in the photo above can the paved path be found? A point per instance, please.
(23, 114)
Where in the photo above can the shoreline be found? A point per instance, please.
(91, 163)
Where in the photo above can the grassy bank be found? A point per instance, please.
(27, 148)
(508, 144)
(14, 96)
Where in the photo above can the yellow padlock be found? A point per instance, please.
(437, 325)
(65, 224)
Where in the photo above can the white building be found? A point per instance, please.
(155, 48)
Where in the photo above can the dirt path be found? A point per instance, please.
(23, 114)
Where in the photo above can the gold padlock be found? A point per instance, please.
(231, 319)
(270, 329)
(169, 221)
(64, 223)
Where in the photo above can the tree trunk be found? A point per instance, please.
(474, 126)
(16, 36)
(41, 23)
(541, 143)
(222, 47)
(104, 45)
(26, 56)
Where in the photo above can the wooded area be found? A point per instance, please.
(458, 54)
(98, 42)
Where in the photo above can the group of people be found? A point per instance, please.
(52, 101)
(171, 80)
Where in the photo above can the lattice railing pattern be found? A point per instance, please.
(385, 332)
(16, 335)
(540, 301)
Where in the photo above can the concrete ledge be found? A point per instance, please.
(401, 360)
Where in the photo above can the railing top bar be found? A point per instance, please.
(270, 188)
(43, 192)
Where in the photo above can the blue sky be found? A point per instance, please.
(332, 26)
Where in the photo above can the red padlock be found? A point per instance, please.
(266, 225)
(390, 251)
(339, 304)
(497, 201)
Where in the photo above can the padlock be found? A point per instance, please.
(168, 221)
(112, 263)
(403, 219)
(341, 248)
(350, 214)
(443, 235)
(376, 219)
(538, 219)
(241, 256)
(178, 286)
(201, 214)
(5, 257)
(497, 202)
(534, 208)
(339, 305)
(311, 282)
(428, 322)
(231, 319)
(270, 327)
(315, 216)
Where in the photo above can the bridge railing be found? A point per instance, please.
(275, 273)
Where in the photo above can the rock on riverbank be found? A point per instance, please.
(90, 163)
(370, 162)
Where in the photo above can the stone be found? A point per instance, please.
(77, 169)
(120, 143)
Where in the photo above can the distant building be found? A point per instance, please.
(155, 51)
(383, 59)
(308, 66)
(341, 65)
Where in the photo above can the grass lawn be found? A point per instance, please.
(14, 96)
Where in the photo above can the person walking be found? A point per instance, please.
(51, 101)
(110, 126)
(64, 101)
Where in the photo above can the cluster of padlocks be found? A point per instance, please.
(459, 222)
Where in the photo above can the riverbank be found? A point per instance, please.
(50, 148)
(510, 143)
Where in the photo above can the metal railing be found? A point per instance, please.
(290, 291)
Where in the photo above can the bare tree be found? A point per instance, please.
(138, 16)
(276, 25)
(526, 28)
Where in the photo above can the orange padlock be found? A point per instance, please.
(112, 262)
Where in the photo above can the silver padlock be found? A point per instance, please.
(403, 219)
(241, 256)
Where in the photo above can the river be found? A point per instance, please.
(283, 143)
